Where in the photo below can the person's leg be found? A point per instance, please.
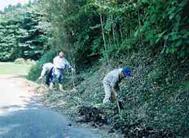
(60, 80)
(53, 78)
(49, 79)
(107, 90)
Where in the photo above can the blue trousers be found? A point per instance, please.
(58, 75)
(49, 77)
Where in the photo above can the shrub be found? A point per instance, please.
(36, 69)
(20, 61)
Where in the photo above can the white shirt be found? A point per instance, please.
(112, 77)
(46, 68)
(61, 63)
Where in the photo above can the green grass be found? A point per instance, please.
(10, 68)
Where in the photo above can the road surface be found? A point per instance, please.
(22, 117)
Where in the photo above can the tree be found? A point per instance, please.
(23, 33)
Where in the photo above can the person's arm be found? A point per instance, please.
(55, 62)
(114, 82)
(114, 94)
(43, 72)
(68, 65)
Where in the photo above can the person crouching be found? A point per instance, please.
(47, 73)
(111, 82)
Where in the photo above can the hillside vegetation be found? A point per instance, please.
(150, 36)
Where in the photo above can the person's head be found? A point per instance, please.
(61, 54)
(126, 72)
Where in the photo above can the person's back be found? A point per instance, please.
(111, 82)
(46, 68)
(112, 77)
(47, 72)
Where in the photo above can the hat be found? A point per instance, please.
(126, 71)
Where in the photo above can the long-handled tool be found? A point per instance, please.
(117, 101)
(73, 71)
(73, 81)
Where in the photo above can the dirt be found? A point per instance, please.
(97, 117)
(92, 114)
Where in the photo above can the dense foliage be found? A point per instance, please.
(22, 33)
(149, 35)
(94, 28)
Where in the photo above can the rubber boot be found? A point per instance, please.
(61, 88)
(51, 86)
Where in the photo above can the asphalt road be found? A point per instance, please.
(22, 117)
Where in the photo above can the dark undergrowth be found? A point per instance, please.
(155, 99)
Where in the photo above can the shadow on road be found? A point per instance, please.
(25, 117)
